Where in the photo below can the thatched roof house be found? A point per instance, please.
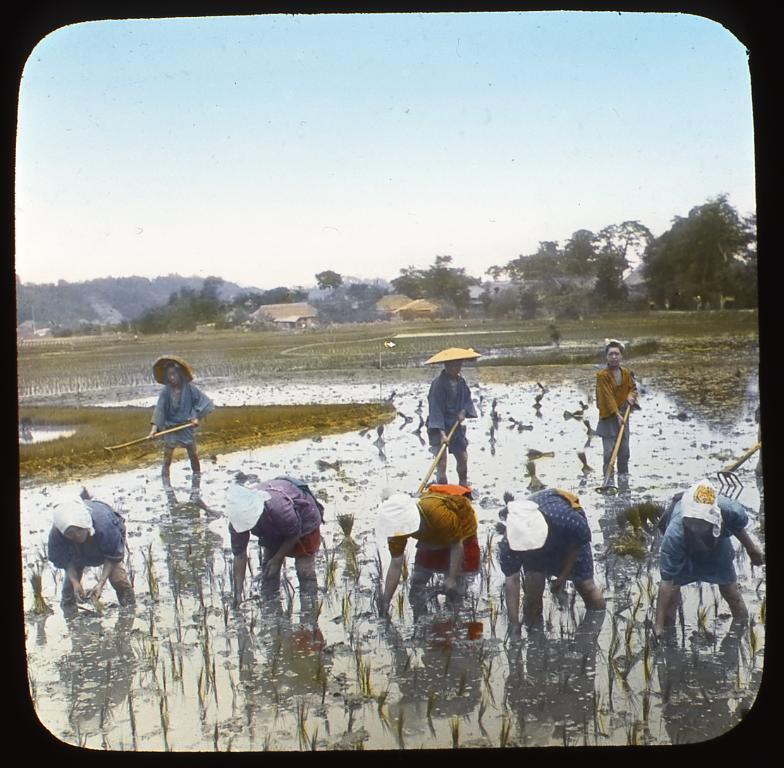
(293, 315)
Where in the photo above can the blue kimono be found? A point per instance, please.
(682, 566)
(171, 410)
(446, 398)
(566, 527)
(106, 543)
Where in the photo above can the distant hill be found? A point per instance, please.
(105, 301)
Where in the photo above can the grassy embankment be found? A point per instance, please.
(227, 429)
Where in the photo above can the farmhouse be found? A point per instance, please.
(289, 316)
(417, 308)
(390, 303)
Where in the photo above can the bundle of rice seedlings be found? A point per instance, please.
(40, 606)
(346, 523)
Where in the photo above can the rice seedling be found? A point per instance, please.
(314, 739)
(365, 686)
(331, 565)
(753, 640)
(647, 664)
(702, 617)
(482, 709)
(345, 608)
(164, 713)
(149, 569)
(40, 606)
(352, 563)
(454, 728)
(346, 523)
(400, 604)
(505, 731)
(302, 721)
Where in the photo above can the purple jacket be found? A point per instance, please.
(290, 512)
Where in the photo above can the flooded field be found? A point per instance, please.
(185, 671)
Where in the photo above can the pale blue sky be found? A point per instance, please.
(264, 149)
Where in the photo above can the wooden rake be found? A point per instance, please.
(605, 487)
(111, 448)
(437, 458)
(729, 483)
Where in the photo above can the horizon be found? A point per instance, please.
(281, 146)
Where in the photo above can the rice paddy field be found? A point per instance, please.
(184, 671)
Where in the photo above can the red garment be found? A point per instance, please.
(306, 545)
(438, 559)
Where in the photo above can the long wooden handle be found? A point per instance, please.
(732, 467)
(438, 457)
(616, 448)
(150, 437)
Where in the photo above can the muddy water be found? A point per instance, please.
(184, 671)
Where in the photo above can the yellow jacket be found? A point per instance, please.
(609, 397)
(444, 520)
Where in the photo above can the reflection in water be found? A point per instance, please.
(279, 660)
(98, 670)
(550, 685)
(705, 690)
(438, 670)
(550, 681)
(190, 545)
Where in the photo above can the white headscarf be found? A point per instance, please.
(526, 527)
(72, 512)
(244, 506)
(398, 515)
(699, 503)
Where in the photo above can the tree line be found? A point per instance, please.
(703, 261)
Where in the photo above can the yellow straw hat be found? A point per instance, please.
(160, 365)
(453, 353)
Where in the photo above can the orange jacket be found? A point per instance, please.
(609, 397)
(444, 520)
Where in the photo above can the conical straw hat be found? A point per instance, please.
(453, 353)
(159, 367)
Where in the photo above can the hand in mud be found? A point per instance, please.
(556, 585)
(756, 556)
(78, 591)
(95, 592)
(450, 589)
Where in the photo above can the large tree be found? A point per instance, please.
(615, 245)
(701, 257)
(579, 254)
(329, 279)
(440, 281)
(544, 264)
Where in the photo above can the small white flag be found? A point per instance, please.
(390, 344)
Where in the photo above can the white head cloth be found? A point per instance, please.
(699, 503)
(244, 506)
(526, 527)
(73, 512)
(398, 515)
